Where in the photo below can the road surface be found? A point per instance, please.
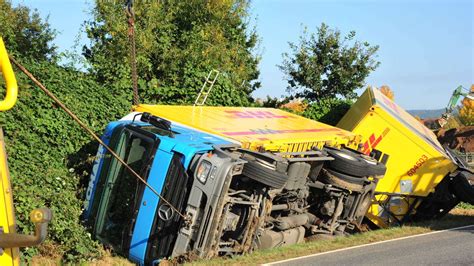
(448, 247)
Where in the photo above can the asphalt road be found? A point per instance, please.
(450, 247)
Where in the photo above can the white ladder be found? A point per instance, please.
(206, 87)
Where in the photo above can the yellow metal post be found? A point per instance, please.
(11, 85)
(10, 256)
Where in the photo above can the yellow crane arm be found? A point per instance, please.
(12, 88)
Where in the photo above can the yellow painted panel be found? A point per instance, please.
(7, 217)
(12, 88)
(416, 160)
(255, 128)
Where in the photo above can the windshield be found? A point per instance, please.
(121, 191)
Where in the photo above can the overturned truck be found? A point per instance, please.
(221, 196)
(229, 180)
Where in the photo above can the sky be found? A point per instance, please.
(426, 47)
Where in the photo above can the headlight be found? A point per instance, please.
(203, 171)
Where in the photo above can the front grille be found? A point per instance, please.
(164, 233)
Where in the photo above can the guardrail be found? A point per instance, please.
(467, 156)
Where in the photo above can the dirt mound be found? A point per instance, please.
(461, 139)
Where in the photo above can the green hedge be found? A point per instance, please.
(50, 156)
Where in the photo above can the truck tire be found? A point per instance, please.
(264, 174)
(375, 168)
(365, 203)
(462, 187)
(343, 181)
(350, 162)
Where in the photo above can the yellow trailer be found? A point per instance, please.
(260, 129)
(416, 162)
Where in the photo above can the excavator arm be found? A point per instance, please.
(453, 101)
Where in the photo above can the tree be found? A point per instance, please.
(387, 92)
(178, 43)
(48, 154)
(325, 65)
(466, 113)
(25, 33)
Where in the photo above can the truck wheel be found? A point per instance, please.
(462, 188)
(343, 181)
(365, 203)
(375, 168)
(355, 164)
(265, 174)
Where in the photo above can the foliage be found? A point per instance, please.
(325, 65)
(178, 43)
(48, 152)
(465, 206)
(328, 111)
(24, 33)
(297, 106)
(385, 89)
(270, 102)
(466, 113)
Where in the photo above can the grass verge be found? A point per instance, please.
(462, 215)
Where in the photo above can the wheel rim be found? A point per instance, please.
(346, 156)
(265, 164)
(369, 160)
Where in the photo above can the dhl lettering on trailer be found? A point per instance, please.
(274, 131)
(372, 142)
(254, 114)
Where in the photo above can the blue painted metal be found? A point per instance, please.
(148, 206)
(186, 142)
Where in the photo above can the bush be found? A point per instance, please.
(50, 155)
(328, 111)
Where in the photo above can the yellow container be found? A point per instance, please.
(262, 129)
(416, 162)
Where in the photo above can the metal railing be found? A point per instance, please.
(468, 157)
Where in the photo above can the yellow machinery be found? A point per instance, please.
(262, 129)
(9, 239)
(416, 162)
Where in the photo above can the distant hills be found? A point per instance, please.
(423, 114)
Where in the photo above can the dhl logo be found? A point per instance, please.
(372, 142)
(254, 114)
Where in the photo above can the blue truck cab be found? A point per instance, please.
(215, 198)
(123, 212)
